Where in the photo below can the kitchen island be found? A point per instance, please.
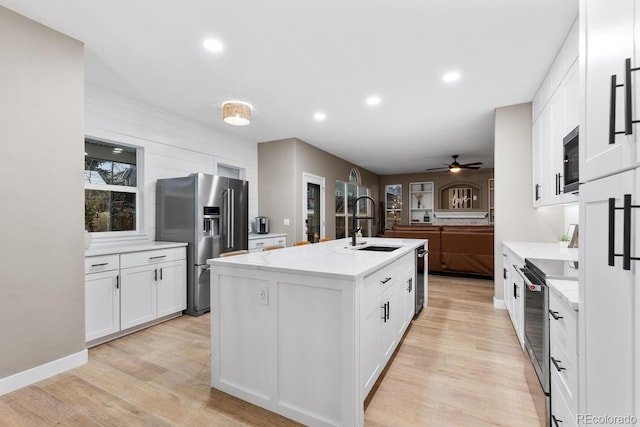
(306, 331)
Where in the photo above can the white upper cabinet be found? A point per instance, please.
(555, 113)
(607, 40)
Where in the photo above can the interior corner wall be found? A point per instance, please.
(515, 217)
(41, 216)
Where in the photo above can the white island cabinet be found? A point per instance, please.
(306, 331)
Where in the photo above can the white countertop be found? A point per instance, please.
(329, 259)
(120, 248)
(542, 250)
(567, 290)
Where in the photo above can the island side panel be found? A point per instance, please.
(293, 353)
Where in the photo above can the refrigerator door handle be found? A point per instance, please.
(228, 196)
(232, 215)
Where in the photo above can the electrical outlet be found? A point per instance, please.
(264, 295)
(286, 221)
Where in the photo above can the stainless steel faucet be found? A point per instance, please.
(356, 217)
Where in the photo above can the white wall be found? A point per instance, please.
(41, 215)
(516, 219)
(173, 146)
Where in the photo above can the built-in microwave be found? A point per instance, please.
(571, 160)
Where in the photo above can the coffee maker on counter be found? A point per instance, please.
(262, 225)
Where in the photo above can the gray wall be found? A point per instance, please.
(516, 219)
(280, 168)
(41, 216)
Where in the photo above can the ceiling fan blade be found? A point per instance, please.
(472, 164)
(469, 167)
(437, 169)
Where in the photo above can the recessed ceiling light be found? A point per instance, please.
(319, 116)
(373, 100)
(451, 76)
(213, 45)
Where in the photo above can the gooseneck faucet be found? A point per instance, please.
(356, 217)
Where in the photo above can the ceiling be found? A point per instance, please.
(293, 58)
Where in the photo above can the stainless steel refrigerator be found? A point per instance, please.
(211, 214)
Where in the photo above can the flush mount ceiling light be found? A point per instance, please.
(236, 113)
(213, 45)
(319, 116)
(451, 76)
(373, 100)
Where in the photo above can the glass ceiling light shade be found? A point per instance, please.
(236, 113)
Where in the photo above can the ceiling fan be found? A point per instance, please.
(457, 167)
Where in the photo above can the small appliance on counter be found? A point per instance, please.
(262, 225)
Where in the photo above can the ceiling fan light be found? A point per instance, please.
(236, 113)
(454, 169)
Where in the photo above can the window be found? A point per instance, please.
(393, 204)
(110, 187)
(348, 192)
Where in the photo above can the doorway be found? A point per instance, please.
(313, 207)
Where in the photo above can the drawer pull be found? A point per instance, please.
(556, 363)
(556, 421)
(157, 257)
(99, 265)
(260, 244)
(555, 315)
(386, 279)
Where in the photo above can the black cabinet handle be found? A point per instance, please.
(157, 257)
(384, 312)
(557, 184)
(100, 265)
(626, 232)
(612, 110)
(118, 281)
(628, 118)
(409, 285)
(161, 274)
(515, 291)
(555, 315)
(388, 309)
(504, 273)
(386, 279)
(556, 421)
(155, 275)
(556, 363)
(537, 192)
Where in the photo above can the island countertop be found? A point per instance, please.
(335, 258)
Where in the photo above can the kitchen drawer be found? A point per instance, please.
(563, 338)
(259, 244)
(282, 240)
(561, 414)
(379, 281)
(96, 264)
(156, 256)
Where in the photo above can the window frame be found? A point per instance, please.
(138, 190)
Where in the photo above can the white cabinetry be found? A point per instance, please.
(421, 202)
(563, 351)
(153, 285)
(608, 40)
(127, 291)
(259, 242)
(102, 296)
(514, 290)
(384, 317)
(555, 114)
(609, 316)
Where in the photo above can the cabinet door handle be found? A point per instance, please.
(118, 281)
(515, 291)
(555, 315)
(160, 273)
(556, 421)
(504, 273)
(626, 232)
(628, 112)
(612, 110)
(155, 275)
(384, 312)
(386, 279)
(409, 285)
(557, 184)
(388, 309)
(556, 363)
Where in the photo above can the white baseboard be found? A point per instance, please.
(499, 304)
(39, 373)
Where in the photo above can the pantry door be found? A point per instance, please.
(313, 208)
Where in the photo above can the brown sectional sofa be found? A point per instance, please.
(462, 249)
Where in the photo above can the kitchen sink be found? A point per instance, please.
(378, 248)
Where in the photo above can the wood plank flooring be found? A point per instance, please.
(459, 365)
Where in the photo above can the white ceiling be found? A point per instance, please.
(292, 58)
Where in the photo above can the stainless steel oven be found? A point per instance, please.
(536, 315)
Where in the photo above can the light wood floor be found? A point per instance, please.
(459, 365)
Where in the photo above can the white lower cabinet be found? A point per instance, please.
(102, 296)
(126, 290)
(514, 290)
(563, 352)
(257, 244)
